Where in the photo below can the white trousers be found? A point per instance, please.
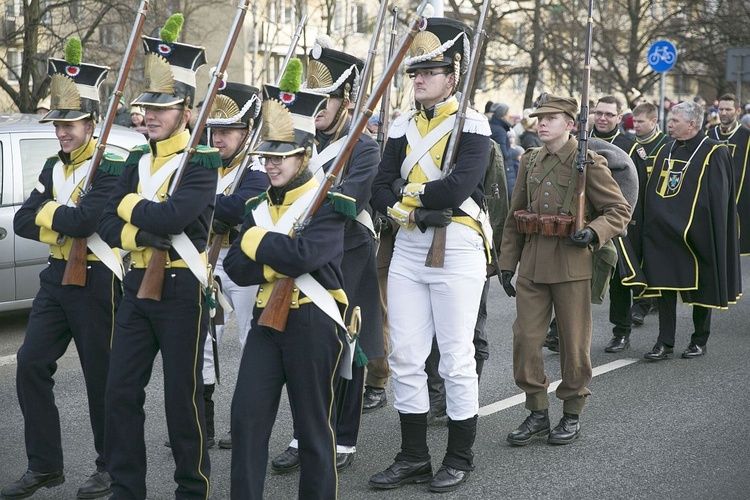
(242, 300)
(425, 302)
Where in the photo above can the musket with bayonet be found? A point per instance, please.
(385, 105)
(436, 252)
(276, 312)
(583, 133)
(153, 278)
(75, 268)
(215, 246)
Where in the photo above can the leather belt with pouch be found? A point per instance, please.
(545, 224)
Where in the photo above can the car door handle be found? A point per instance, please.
(3, 233)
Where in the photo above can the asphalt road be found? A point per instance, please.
(675, 429)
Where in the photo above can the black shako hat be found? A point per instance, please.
(440, 42)
(169, 73)
(236, 106)
(288, 121)
(333, 72)
(74, 90)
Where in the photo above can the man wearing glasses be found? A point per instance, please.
(147, 212)
(607, 118)
(426, 302)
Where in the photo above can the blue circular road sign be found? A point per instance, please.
(662, 56)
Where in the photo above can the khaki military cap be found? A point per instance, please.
(550, 103)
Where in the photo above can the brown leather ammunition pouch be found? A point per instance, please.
(565, 225)
(526, 222)
(547, 225)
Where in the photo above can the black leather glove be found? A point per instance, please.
(584, 237)
(382, 224)
(221, 227)
(158, 241)
(397, 185)
(505, 277)
(427, 217)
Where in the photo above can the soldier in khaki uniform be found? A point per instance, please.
(556, 270)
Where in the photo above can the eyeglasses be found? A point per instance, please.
(426, 73)
(599, 114)
(273, 160)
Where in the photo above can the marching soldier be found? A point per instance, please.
(737, 138)
(336, 74)
(608, 117)
(426, 302)
(61, 313)
(306, 355)
(554, 269)
(233, 114)
(148, 211)
(649, 135)
(690, 242)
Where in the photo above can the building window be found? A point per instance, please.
(359, 18)
(13, 61)
(75, 9)
(108, 35)
(12, 9)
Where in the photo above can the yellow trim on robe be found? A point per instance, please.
(48, 236)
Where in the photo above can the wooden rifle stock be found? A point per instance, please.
(583, 133)
(276, 312)
(153, 278)
(75, 268)
(436, 252)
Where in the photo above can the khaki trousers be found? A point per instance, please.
(572, 302)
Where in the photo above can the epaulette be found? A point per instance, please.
(400, 124)
(112, 164)
(253, 203)
(476, 123)
(50, 162)
(343, 204)
(135, 155)
(207, 157)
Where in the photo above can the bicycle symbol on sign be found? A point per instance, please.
(661, 54)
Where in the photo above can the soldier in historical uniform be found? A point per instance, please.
(233, 113)
(148, 211)
(689, 240)
(652, 139)
(336, 74)
(737, 138)
(426, 302)
(55, 213)
(307, 354)
(554, 268)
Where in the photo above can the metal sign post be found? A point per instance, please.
(662, 56)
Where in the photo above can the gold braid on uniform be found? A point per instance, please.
(340, 118)
(456, 71)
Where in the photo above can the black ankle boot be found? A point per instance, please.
(566, 431)
(459, 458)
(412, 464)
(536, 424)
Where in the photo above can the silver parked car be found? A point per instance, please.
(25, 144)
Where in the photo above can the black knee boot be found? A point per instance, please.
(208, 404)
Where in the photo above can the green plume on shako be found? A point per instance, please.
(292, 78)
(172, 27)
(73, 51)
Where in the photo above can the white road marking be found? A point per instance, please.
(8, 360)
(521, 398)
